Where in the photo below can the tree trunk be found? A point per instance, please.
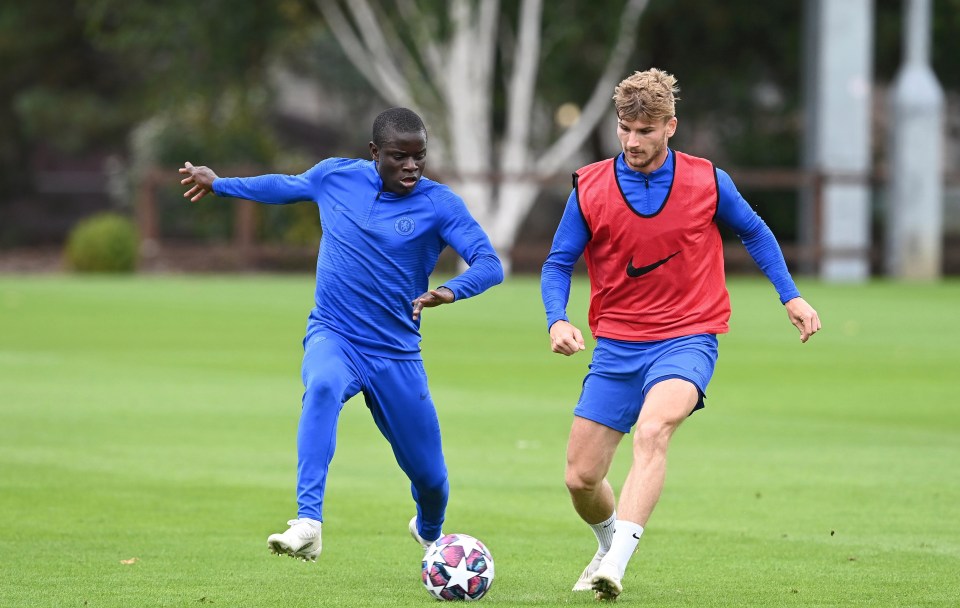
(458, 71)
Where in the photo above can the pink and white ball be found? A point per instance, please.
(457, 567)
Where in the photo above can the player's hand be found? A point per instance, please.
(803, 317)
(565, 338)
(434, 297)
(201, 178)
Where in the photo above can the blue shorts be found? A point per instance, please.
(622, 373)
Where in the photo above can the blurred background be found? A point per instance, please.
(839, 120)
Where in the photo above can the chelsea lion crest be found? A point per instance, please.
(404, 226)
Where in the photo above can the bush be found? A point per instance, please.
(105, 242)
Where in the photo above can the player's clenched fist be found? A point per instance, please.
(565, 338)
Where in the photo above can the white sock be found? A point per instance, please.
(604, 531)
(316, 524)
(625, 539)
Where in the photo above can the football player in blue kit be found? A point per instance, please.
(384, 226)
(647, 225)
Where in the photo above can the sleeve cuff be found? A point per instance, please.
(452, 290)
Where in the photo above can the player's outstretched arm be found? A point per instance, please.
(565, 338)
(803, 317)
(434, 297)
(200, 180)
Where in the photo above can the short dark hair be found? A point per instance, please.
(396, 120)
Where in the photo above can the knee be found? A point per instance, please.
(581, 482)
(653, 434)
(319, 390)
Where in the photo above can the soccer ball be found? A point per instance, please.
(457, 567)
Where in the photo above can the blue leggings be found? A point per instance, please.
(399, 399)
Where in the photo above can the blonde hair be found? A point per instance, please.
(651, 94)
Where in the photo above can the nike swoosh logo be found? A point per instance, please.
(635, 536)
(633, 272)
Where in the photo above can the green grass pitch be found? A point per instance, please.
(151, 420)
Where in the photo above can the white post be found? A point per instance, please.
(839, 83)
(914, 220)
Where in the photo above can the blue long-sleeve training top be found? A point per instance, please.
(646, 193)
(378, 249)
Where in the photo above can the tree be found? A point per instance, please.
(203, 77)
(456, 64)
(62, 103)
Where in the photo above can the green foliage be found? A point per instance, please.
(186, 48)
(79, 75)
(106, 242)
(70, 120)
(747, 96)
(56, 90)
(209, 73)
(229, 129)
(296, 225)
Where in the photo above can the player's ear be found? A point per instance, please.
(671, 126)
(374, 152)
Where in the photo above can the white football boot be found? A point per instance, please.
(301, 541)
(606, 582)
(416, 535)
(585, 582)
